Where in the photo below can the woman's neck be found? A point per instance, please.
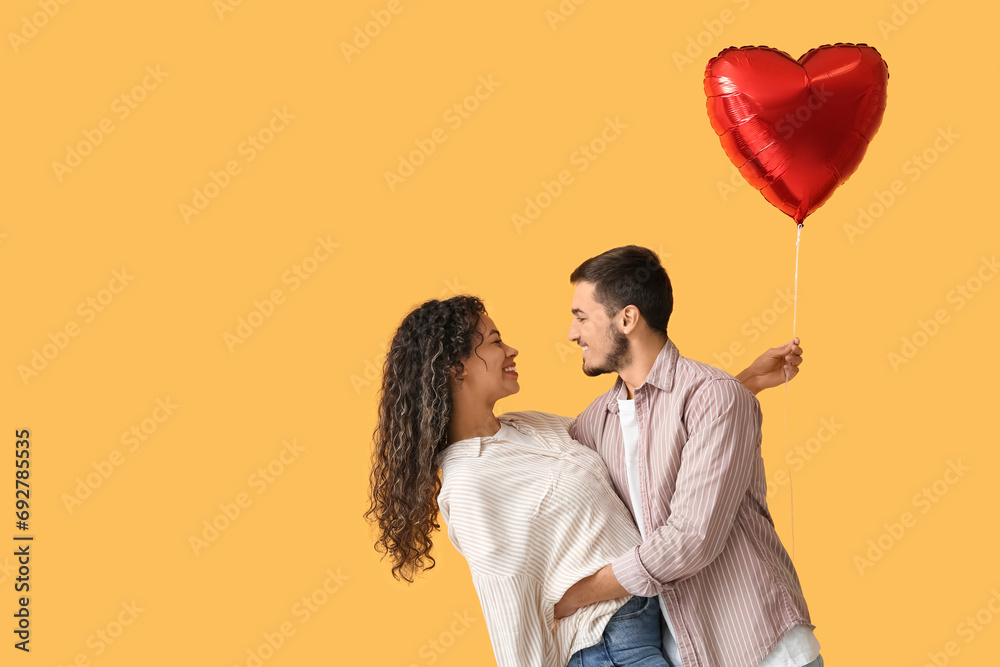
(467, 422)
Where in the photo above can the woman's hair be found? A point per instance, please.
(414, 408)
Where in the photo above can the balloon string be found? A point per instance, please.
(788, 470)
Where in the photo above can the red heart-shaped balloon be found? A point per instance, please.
(796, 129)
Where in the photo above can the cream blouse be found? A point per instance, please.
(533, 512)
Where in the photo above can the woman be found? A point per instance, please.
(530, 509)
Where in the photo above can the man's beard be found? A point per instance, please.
(618, 358)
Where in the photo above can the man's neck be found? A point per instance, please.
(644, 353)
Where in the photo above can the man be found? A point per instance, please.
(682, 442)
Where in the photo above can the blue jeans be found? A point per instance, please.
(631, 637)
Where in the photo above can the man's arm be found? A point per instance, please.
(771, 368)
(602, 585)
(716, 467)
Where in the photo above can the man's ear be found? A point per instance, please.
(629, 319)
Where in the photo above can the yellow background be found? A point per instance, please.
(303, 374)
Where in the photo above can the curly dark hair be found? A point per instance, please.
(414, 409)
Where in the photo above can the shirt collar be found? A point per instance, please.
(661, 375)
(474, 446)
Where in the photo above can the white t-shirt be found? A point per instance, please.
(797, 647)
(630, 434)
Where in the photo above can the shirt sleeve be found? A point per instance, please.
(581, 431)
(443, 507)
(569, 423)
(512, 604)
(518, 628)
(717, 462)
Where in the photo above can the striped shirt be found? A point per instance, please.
(533, 512)
(729, 588)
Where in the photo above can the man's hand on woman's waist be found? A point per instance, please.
(602, 585)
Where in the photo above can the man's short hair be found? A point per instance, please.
(630, 275)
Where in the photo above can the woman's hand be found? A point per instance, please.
(770, 369)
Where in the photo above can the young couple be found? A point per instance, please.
(637, 533)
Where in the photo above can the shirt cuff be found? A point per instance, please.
(633, 577)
